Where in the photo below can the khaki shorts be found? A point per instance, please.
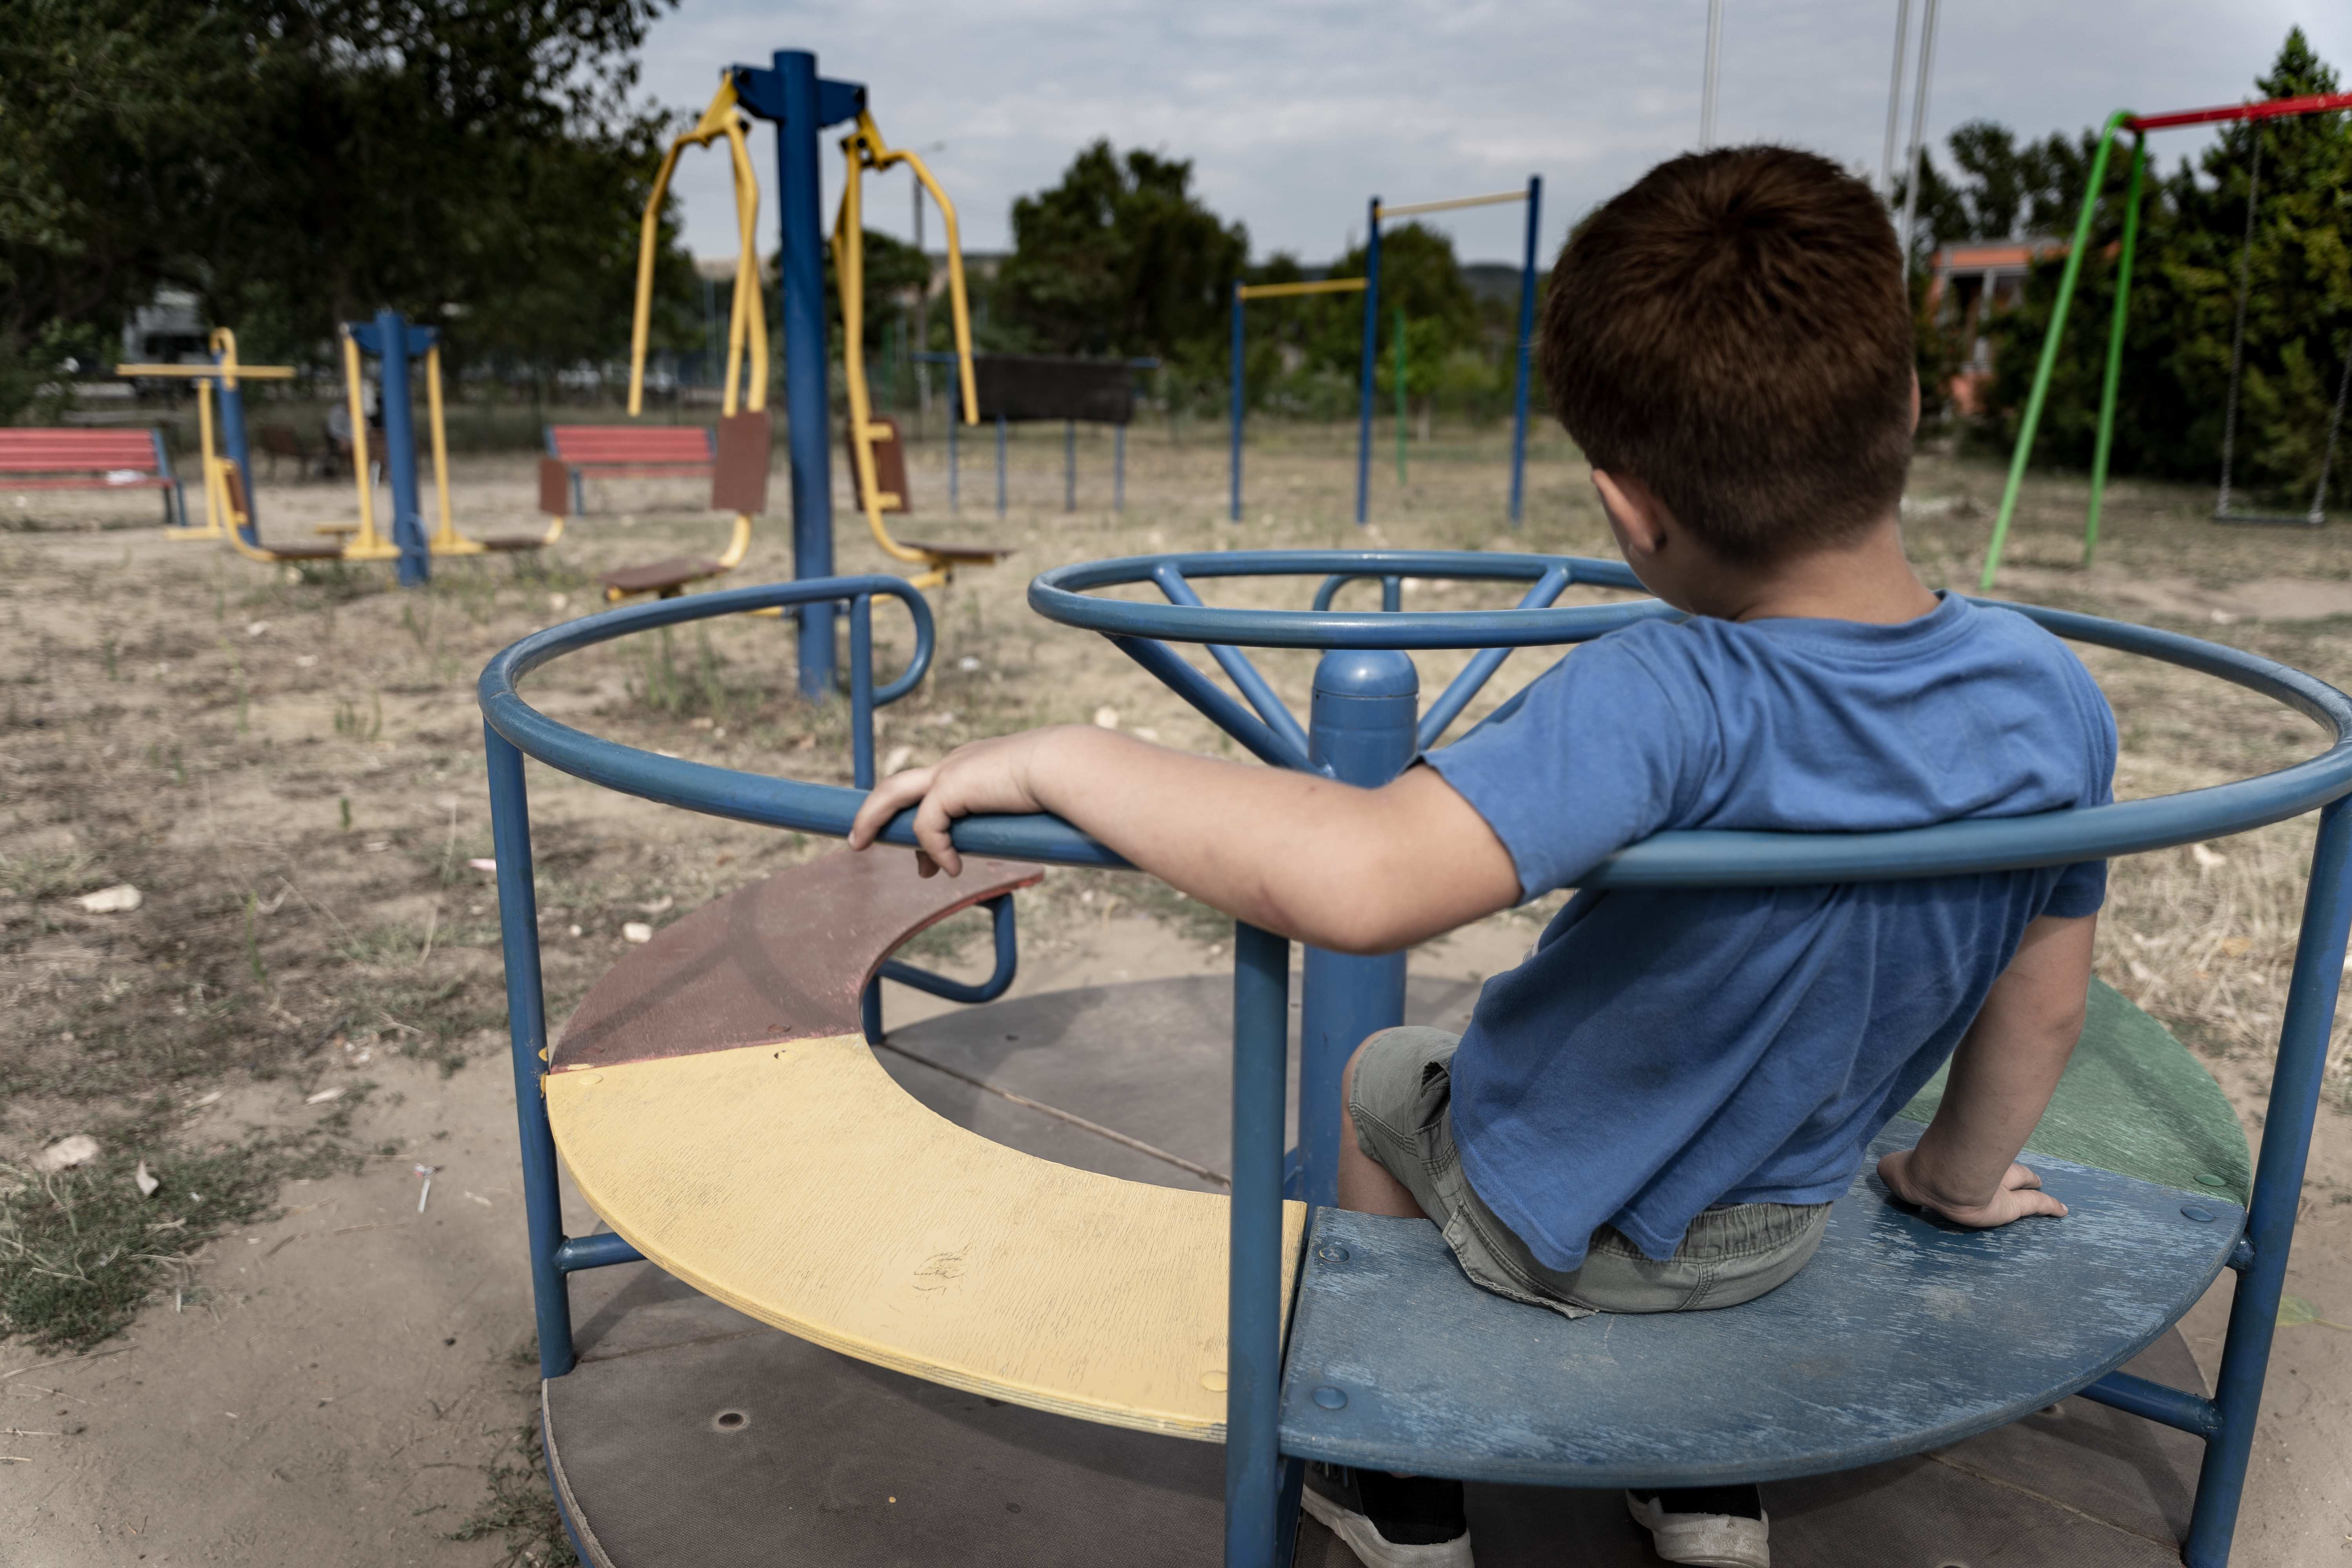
(1400, 1103)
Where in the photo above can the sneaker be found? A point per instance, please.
(1710, 1527)
(1390, 1521)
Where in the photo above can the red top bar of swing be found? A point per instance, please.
(2268, 108)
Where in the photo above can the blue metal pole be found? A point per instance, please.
(1069, 465)
(1118, 467)
(2278, 1187)
(955, 417)
(1000, 465)
(1359, 732)
(400, 449)
(1233, 512)
(1254, 1469)
(527, 1035)
(809, 411)
(1371, 350)
(232, 421)
(861, 690)
(1527, 335)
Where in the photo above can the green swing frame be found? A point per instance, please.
(2139, 125)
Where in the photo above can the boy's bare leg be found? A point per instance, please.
(1364, 1186)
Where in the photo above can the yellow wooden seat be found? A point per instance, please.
(795, 1181)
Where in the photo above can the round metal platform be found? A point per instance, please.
(690, 1435)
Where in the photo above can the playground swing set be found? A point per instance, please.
(1376, 213)
(719, 1100)
(2224, 509)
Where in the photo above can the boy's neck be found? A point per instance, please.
(1868, 580)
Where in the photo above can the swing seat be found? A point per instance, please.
(718, 1107)
(1902, 1333)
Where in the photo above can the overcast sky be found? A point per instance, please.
(1294, 113)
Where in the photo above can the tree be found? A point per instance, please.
(296, 162)
(1121, 258)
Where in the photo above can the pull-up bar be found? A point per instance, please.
(1533, 196)
(1284, 290)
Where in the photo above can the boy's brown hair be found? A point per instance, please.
(1735, 331)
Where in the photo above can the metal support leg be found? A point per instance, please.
(1069, 465)
(1360, 730)
(799, 264)
(527, 1037)
(2278, 1187)
(1254, 1471)
(1118, 468)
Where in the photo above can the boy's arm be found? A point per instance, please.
(1350, 869)
(2007, 1067)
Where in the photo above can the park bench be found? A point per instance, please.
(45, 458)
(627, 451)
(716, 1101)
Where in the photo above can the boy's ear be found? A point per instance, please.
(1639, 516)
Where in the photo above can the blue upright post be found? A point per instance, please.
(1118, 467)
(1234, 512)
(1000, 465)
(809, 411)
(232, 424)
(1255, 1492)
(955, 417)
(2295, 1084)
(1527, 334)
(1069, 465)
(1371, 350)
(392, 350)
(527, 1033)
(1359, 732)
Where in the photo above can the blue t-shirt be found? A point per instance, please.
(1662, 1051)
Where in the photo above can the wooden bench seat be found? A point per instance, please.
(663, 577)
(78, 458)
(718, 1107)
(1901, 1335)
(630, 451)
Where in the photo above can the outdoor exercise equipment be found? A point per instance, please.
(2139, 125)
(225, 371)
(1375, 214)
(739, 466)
(2222, 511)
(1243, 294)
(717, 1105)
(863, 149)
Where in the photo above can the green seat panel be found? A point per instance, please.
(2134, 1102)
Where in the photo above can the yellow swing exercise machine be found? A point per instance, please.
(863, 149)
(739, 476)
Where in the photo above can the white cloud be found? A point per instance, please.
(1295, 113)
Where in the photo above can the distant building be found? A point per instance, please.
(1967, 283)
(167, 331)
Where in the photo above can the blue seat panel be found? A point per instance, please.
(1902, 1334)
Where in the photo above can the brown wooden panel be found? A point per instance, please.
(890, 465)
(738, 479)
(783, 959)
(555, 487)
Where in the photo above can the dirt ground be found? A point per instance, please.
(305, 1365)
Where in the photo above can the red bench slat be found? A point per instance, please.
(606, 444)
(93, 457)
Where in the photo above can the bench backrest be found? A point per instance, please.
(630, 443)
(44, 450)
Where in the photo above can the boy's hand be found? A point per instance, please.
(984, 777)
(2019, 1194)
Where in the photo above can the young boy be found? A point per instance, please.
(1655, 1110)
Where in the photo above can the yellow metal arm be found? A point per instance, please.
(747, 325)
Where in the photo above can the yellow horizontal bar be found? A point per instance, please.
(216, 371)
(1278, 291)
(1449, 205)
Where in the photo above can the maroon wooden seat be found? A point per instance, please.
(663, 577)
(783, 959)
(46, 459)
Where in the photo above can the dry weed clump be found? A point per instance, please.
(2203, 938)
